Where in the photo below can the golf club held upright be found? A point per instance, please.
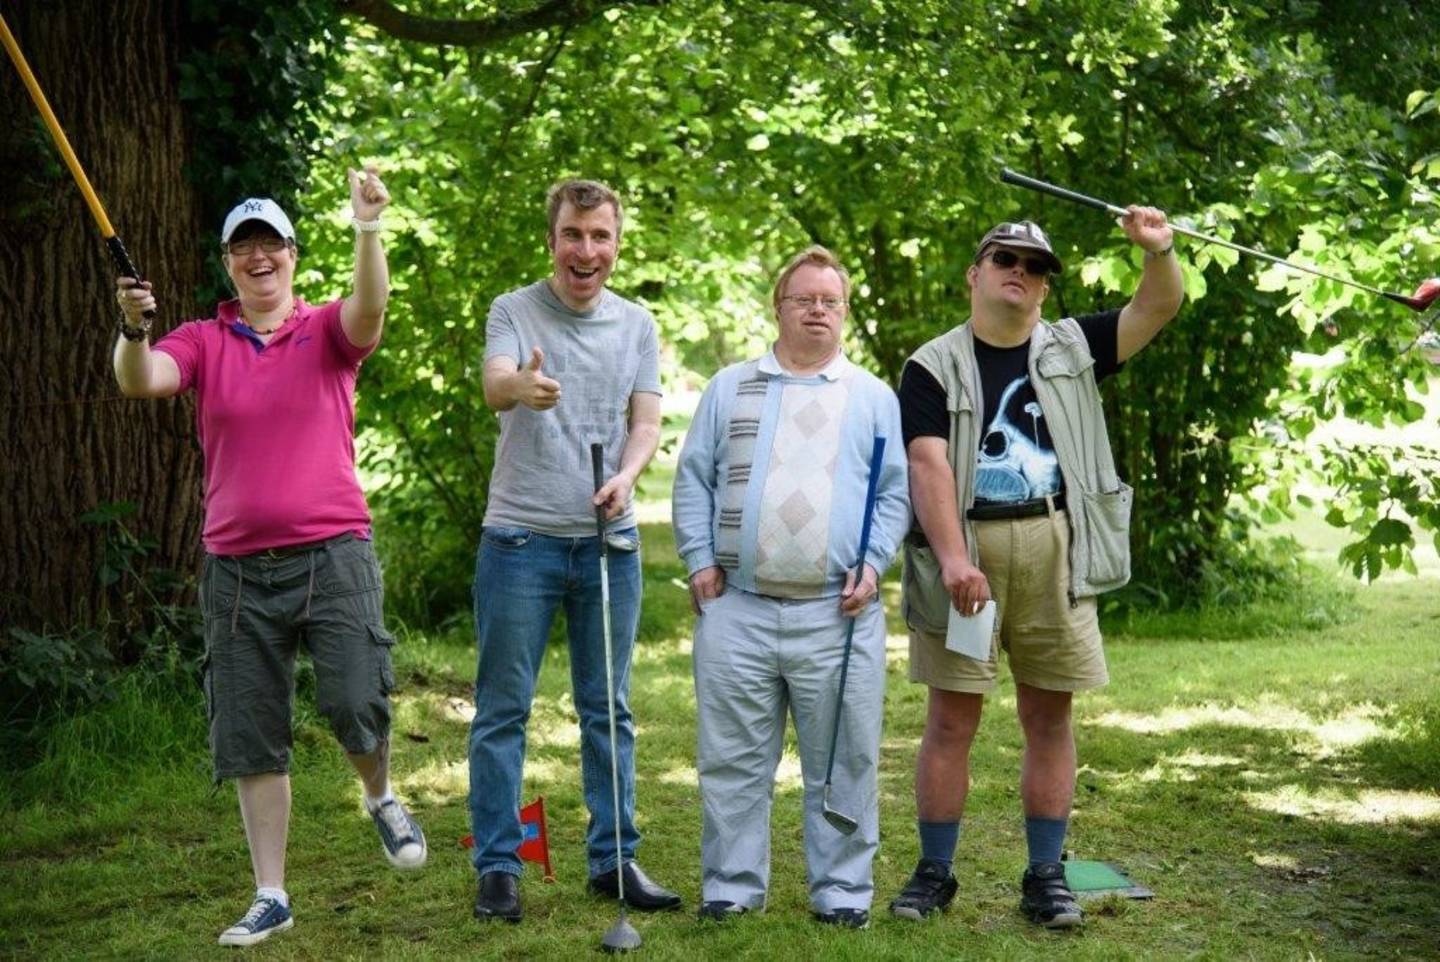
(1419, 301)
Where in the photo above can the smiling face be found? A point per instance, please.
(262, 277)
(583, 245)
(1013, 289)
(812, 312)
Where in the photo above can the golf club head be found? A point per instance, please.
(620, 937)
(1424, 295)
(842, 823)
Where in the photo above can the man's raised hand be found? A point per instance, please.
(533, 388)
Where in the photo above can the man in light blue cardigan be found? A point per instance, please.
(768, 506)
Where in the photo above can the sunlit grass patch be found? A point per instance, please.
(1354, 726)
(1364, 807)
(437, 782)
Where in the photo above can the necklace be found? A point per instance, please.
(269, 330)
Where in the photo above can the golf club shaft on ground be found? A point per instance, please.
(118, 254)
(1020, 180)
(877, 455)
(597, 463)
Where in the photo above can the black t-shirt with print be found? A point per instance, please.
(1016, 458)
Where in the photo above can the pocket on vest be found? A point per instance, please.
(925, 603)
(1107, 547)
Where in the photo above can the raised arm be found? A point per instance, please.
(1162, 287)
(362, 315)
(140, 371)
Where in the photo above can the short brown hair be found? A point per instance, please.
(585, 195)
(816, 256)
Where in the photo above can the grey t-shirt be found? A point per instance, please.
(542, 478)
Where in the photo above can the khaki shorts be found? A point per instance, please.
(1050, 645)
(259, 609)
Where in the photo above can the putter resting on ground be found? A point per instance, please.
(838, 820)
(620, 937)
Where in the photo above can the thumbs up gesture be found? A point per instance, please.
(533, 388)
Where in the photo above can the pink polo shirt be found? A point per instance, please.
(276, 425)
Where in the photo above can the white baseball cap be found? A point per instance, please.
(262, 209)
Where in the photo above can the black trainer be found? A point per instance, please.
(1046, 898)
(844, 918)
(930, 889)
(498, 897)
(720, 910)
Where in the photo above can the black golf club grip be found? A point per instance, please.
(597, 465)
(124, 266)
(1020, 180)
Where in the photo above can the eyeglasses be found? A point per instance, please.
(808, 301)
(1036, 266)
(270, 245)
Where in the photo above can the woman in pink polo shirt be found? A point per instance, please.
(288, 557)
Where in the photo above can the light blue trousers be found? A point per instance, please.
(757, 658)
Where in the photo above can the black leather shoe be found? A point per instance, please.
(641, 894)
(498, 897)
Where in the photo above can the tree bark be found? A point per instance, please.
(68, 441)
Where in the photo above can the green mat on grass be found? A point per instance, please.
(1090, 880)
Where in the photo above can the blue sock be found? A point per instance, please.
(1045, 838)
(938, 839)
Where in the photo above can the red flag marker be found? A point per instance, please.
(534, 839)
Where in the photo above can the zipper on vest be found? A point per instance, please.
(1070, 593)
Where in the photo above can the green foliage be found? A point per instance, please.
(739, 132)
(251, 82)
(45, 674)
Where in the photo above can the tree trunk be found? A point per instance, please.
(68, 441)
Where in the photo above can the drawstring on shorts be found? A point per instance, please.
(239, 587)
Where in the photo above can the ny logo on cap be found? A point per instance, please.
(1024, 229)
(253, 207)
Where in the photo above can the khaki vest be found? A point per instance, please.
(1098, 502)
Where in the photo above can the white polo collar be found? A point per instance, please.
(834, 371)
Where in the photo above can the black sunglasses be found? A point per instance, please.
(1005, 260)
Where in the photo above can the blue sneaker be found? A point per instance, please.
(400, 836)
(266, 917)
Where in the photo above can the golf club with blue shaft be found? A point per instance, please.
(842, 823)
(1423, 297)
(123, 265)
(621, 937)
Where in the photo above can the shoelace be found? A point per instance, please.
(395, 820)
(258, 908)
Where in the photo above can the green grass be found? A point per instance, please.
(1274, 784)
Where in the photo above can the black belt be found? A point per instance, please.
(1009, 510)
(290, 550)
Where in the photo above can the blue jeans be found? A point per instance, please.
(521, 577)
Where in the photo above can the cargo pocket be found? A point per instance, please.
(1107, 547)
(925, 602)
(347, 567)
(383, 642)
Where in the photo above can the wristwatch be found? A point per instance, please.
(139, 333)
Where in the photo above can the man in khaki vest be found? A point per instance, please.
(1017, 500)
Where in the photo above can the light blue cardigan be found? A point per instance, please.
(871, 410)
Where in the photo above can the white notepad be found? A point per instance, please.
(971, 636)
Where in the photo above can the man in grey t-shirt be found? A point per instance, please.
(568, 363)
